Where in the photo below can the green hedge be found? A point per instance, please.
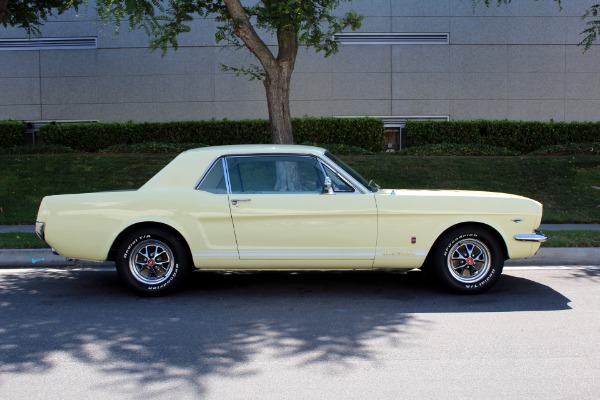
(457, 150)
(366, 133)
(521, 136)
(12, 133)
(360, 132)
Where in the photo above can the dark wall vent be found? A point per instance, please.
(80, 43)
(393, 38)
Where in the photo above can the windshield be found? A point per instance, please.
(372, 186)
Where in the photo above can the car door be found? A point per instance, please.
(280, 214)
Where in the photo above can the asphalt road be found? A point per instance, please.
(78, 334)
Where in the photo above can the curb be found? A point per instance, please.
(560, 256)
(44, 258)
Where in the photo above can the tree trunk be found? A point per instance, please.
(3, 10)
(278, 69)
(277, 86)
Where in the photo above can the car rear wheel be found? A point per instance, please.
(152, 262)
(468, 260)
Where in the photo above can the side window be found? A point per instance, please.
(339, 184)
(214, 181)
(275, 174)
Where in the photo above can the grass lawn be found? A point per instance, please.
(555, 239)
(21, 240)
(567, 186)
(25, 180)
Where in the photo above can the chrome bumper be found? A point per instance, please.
(537, 237)
(39, 229)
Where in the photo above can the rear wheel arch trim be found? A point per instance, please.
(145, 225)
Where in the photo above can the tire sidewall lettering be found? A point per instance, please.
(167, 282)
(459, 238)
(133, 243)
(482, 283)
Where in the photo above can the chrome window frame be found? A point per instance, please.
(226, 173)
(318, 160)
(322, 160)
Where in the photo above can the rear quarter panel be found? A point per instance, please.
(84, 226)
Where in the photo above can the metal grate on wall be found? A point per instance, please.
(396, 120)
(393, 38)
(72, 43)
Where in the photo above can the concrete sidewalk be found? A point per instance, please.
(41, 258)
(17, 228)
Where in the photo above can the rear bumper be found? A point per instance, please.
(537, 237)
(40, 228)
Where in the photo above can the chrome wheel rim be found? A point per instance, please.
(469, 261)
(151, 262)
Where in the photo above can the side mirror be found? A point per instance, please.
(327, 186)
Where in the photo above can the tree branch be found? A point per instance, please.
(245, 31)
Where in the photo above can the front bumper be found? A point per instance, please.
(537, 237)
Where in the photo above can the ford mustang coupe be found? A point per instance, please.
(282, 207)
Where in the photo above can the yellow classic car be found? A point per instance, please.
(282, 207)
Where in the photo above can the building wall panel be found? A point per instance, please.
(19, 91)
(518, 61)
(70, 90)
(421, 86)
(536, 110)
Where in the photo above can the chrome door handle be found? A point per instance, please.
(235, 201)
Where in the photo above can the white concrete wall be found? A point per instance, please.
(517, 62)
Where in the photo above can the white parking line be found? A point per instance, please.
(559, 267)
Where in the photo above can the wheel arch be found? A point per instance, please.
(112, 253)
(491, 230)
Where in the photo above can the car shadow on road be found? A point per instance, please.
(219, 322)
(412, 292)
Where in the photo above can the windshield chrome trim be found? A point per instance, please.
(342, 177)
(339, 170)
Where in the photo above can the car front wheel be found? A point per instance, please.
(152, 262)
(468, 260)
